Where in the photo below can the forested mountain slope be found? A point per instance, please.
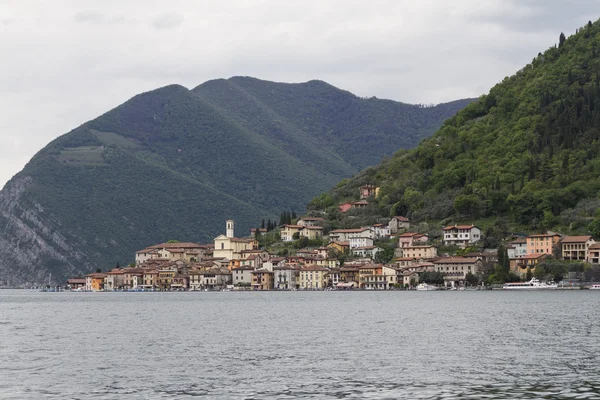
(175, 163)
(529, 150)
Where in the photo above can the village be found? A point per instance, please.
(345, 259)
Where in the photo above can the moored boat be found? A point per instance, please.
(532, 284)
(595, 287)
(426, 286)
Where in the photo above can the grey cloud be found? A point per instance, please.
(94, 17)
(167, 21)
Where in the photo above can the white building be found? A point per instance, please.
(342, 235)
(461, 235)
(360, 242)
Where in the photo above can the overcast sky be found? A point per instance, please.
(64, 62)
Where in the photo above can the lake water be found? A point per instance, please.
(378, 345)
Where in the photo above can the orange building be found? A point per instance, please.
(94, 282)
(542, 243)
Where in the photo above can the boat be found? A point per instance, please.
(425, 286)
(533, 284)
(595, 287)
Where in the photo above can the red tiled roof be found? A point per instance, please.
(456, 260)
(401, 218)
(459, 227)
(576, 239)
(182, 245)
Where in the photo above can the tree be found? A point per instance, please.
(529, 274)
(561, 40)
(471, 279)
(98, 270)
(173, 241)
(594, 227)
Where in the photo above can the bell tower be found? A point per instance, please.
(230, 226)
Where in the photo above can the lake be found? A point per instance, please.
(331, 345)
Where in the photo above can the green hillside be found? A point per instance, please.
(528, 151)
(175, 163)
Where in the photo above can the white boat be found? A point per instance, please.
(425, 286)
(595, 287)
(533, 284)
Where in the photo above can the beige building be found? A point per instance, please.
(262, 279)
(419, 251)
(457, 268)
(576, 247)
(313, 277)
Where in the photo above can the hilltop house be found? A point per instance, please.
(397, 223)
(311, 232)
(411, 239)
(368, 191)
(342, 235)
(310, 221)
(423, 251)
(461, 235)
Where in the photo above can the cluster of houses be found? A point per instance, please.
(232, 263)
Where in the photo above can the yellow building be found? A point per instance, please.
(94, 282)
(165, 276)
(311, 232)
(342, 247)
(313, 277)
(150, 278)
(287, 232)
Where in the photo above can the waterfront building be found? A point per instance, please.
(576, 247)
(241, 276)
(542, 243)
(113, 280)
(593, 254)
(520, 265)
(313, 277)
(76, 283)
(456, 268)
(262, 279)
(285, 277)
(94, 282)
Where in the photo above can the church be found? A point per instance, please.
(230, 247)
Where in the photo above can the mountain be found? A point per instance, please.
(527, 153)
(175, 163)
